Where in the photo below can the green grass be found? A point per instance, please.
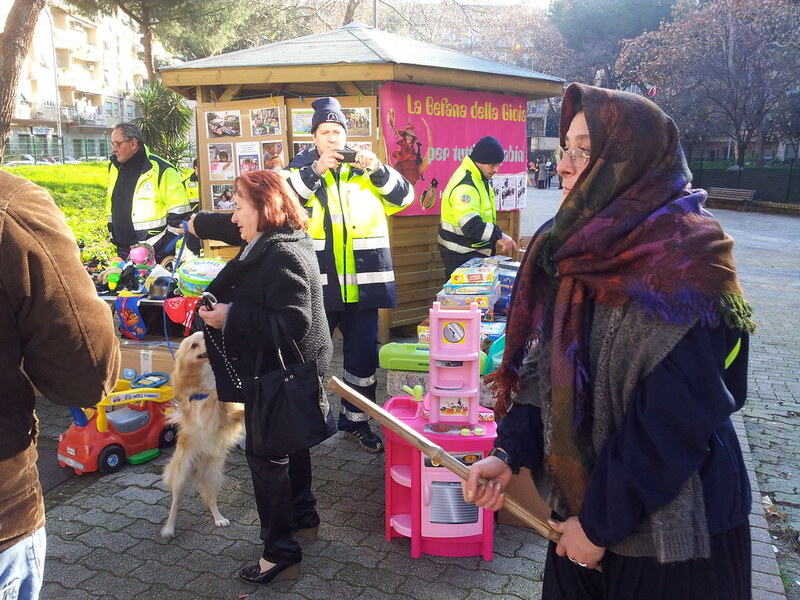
(80, 192)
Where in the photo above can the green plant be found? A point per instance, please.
(80, 191)
(165, 122)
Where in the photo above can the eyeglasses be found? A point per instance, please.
(578, 156)
(115, 145)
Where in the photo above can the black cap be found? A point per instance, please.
(488, 151)
(327, 110)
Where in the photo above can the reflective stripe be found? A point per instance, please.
(467, 218)
(733, 353)
(183, 208)
(451, 228)
(366, 278)
(319, 245)
(349, 279)
(463, 249)
(152, 240)
(323, 278)
(488, 230)
(394, 179)
(299, 185)
(355, 417)
(175, 230)
(150, 224)
(375, 277)
(370, 243)
(359, 381)
(336, 217)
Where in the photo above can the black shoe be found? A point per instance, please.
(253, 574)
(363, 436)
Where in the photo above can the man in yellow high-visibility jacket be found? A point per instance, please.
(145, 200)
(348, 198)
(468, 222)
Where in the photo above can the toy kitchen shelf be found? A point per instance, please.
(423, 499)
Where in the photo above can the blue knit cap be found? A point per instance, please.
(488, 151)
(327, 110)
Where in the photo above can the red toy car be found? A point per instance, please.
(129, 424)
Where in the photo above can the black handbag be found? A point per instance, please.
(287, 409)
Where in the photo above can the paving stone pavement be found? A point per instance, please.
(103, 531)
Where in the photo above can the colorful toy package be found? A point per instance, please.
(195, 275)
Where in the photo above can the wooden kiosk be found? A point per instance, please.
(239, 94)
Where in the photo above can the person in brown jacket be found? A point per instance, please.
(52, 320)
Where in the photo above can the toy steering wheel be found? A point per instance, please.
(154, 379)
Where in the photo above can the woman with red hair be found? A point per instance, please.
(276, 271)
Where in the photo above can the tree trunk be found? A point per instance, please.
(15, 40)
(350, 11)
(147, 42)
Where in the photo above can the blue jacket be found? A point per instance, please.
(677, 422)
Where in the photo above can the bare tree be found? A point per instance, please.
(15, 40)
(732, 61)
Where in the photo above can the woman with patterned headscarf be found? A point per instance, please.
(626, 354)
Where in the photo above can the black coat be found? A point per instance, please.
(279, 274)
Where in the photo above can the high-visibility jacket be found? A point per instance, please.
(468, 212)
(347, 222)
(192, 187)
(159, 201)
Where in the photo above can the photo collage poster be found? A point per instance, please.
(238, 137)
(510, 191)
(361, 115)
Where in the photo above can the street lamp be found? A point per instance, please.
(55, 79)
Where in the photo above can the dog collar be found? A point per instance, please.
(198, 397)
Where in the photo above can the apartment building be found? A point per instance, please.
(75, 85)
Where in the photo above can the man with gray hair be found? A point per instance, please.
(146, 201)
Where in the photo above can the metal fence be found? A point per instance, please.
(38, 147)
(777, 182)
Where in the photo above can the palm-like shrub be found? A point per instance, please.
(165, 122)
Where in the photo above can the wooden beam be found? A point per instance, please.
(350, 88)
(175, 78)
(230, 92)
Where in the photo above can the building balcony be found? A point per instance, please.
(68, 40)
(74, 116)
(45, 113)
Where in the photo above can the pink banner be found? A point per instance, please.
(428, 131)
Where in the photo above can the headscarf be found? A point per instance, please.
(631, 230)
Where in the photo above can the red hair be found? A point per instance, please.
(275, 201)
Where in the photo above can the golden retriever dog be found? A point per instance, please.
(207, 430)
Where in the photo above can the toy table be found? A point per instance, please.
(424, 500)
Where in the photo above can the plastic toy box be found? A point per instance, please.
(474, 271)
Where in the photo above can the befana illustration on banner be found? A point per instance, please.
(428, 131)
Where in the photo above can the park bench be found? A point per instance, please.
(730, 198)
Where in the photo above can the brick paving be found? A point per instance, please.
(103, 531)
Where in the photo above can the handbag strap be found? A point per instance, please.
(280, 332)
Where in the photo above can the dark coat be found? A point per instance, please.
(279, 274)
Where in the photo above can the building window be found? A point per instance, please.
(109, 109)
(129, 111)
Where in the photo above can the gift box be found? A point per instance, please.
(424, 331)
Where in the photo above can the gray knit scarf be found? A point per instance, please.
(626, 345)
